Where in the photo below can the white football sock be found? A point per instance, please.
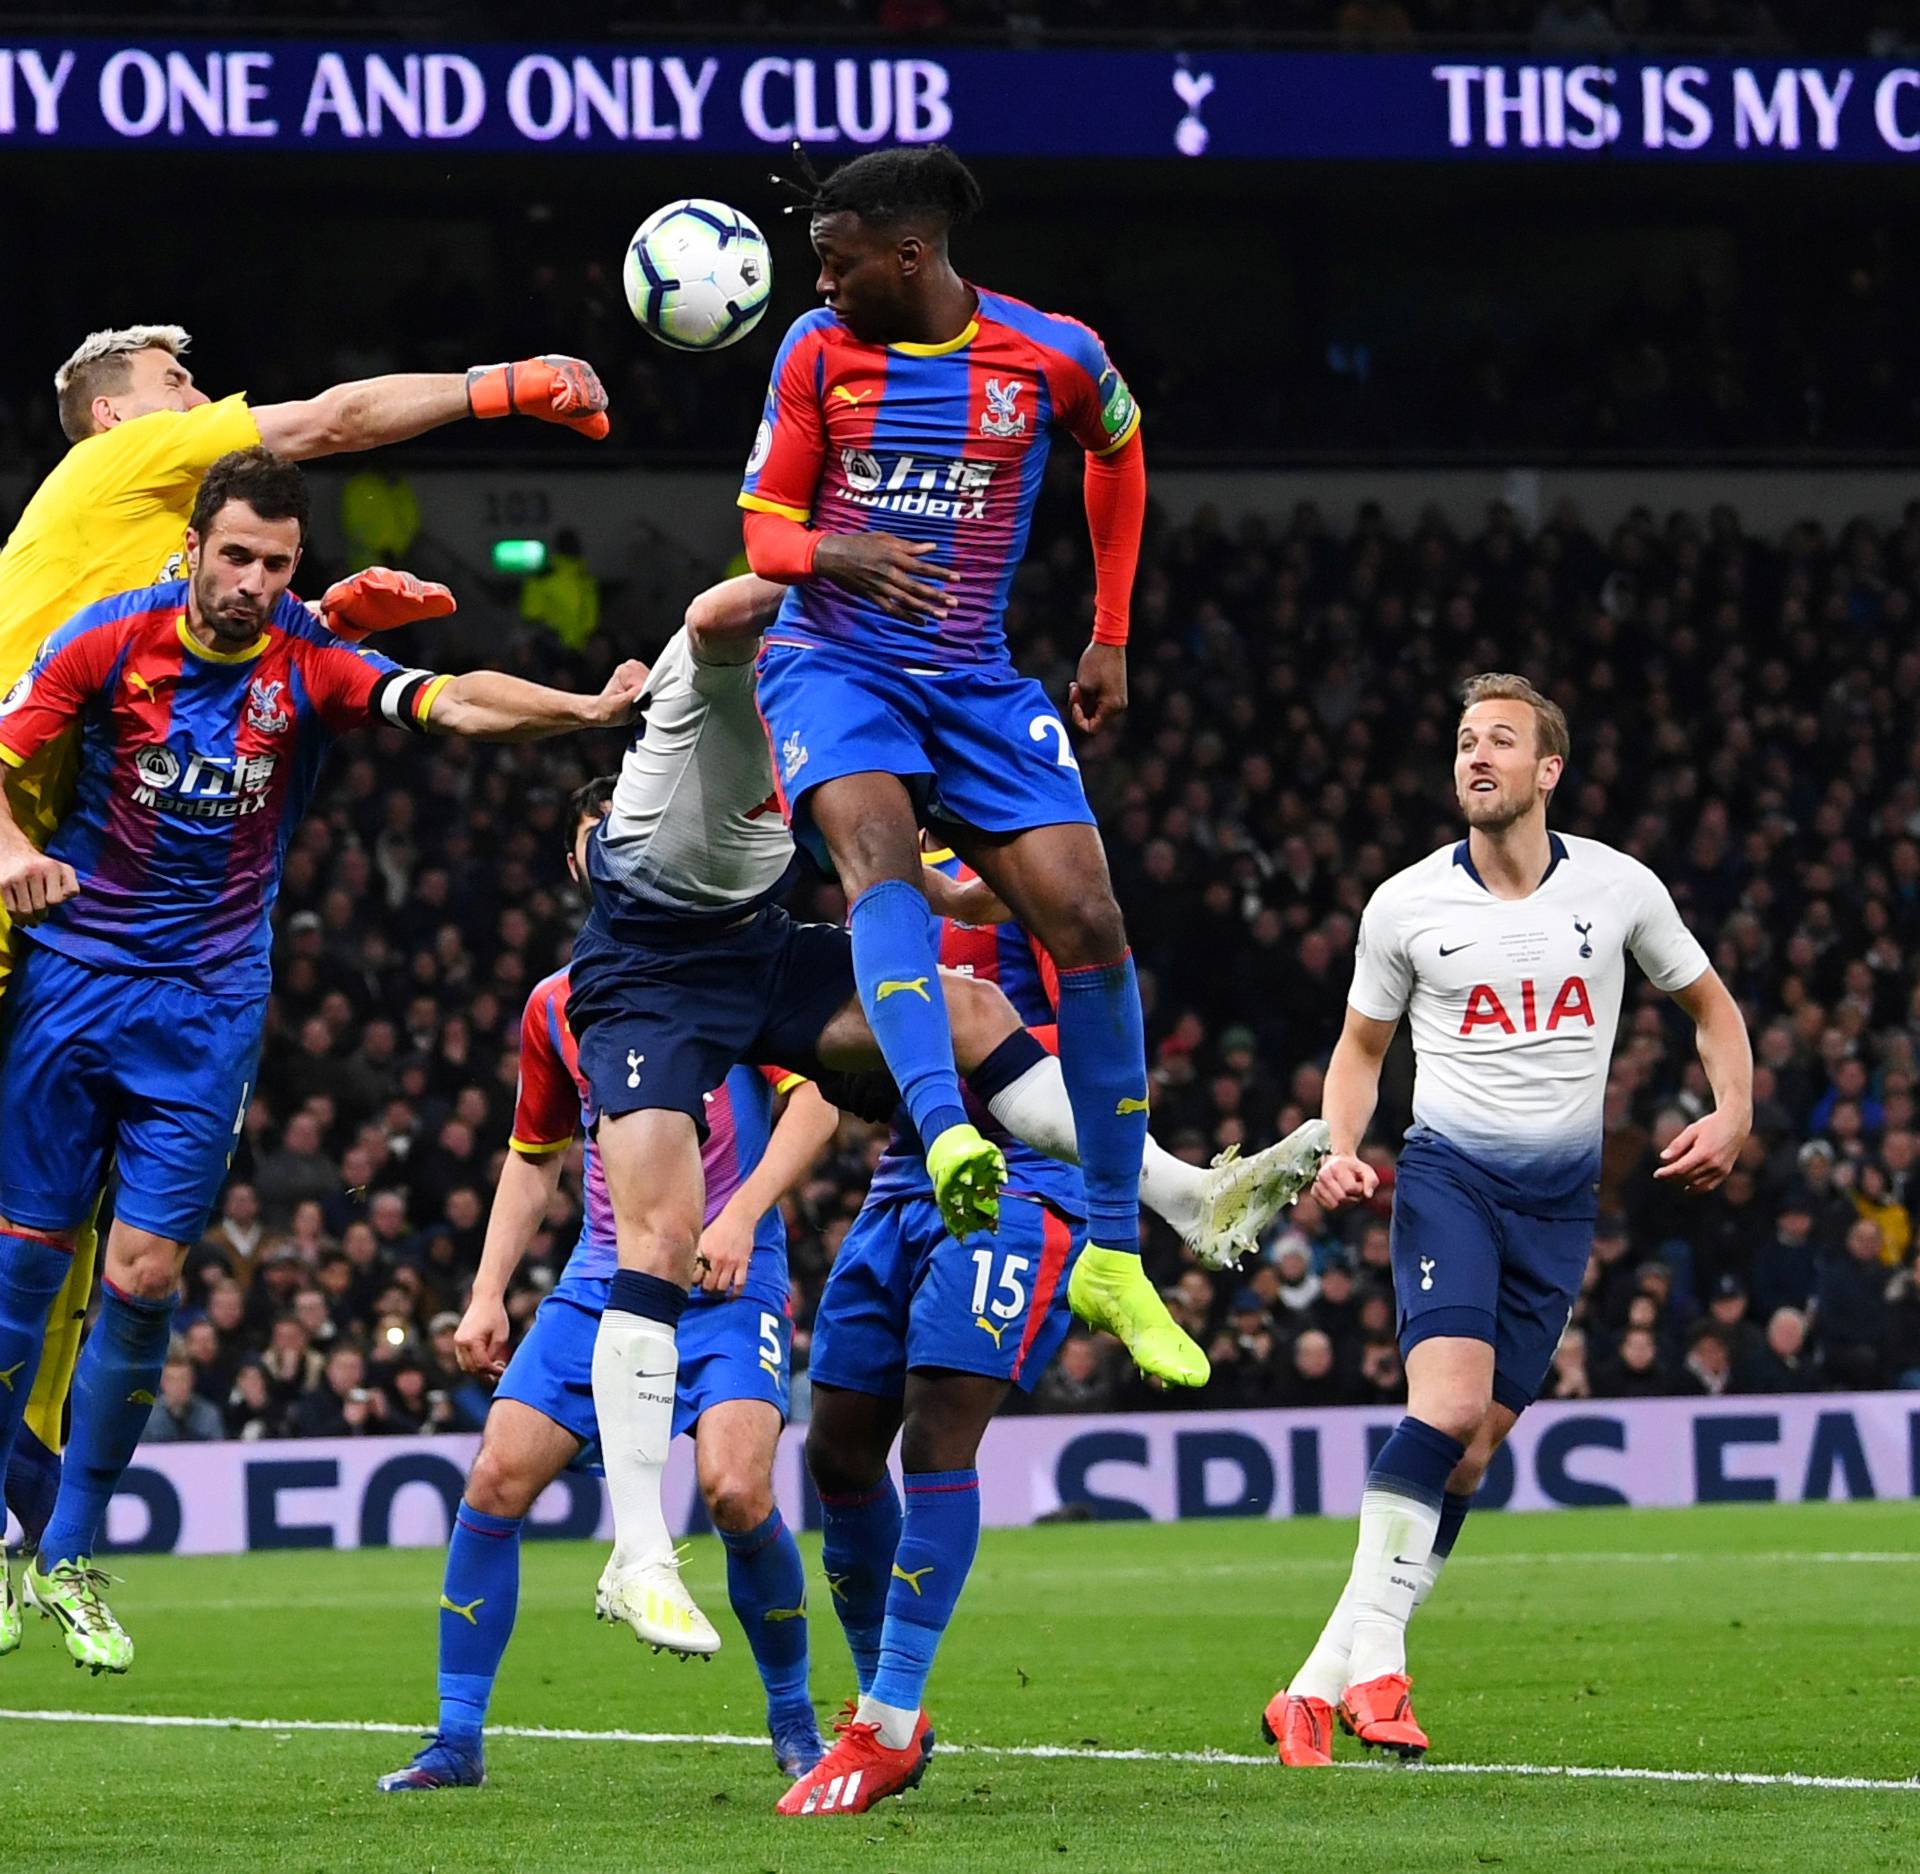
(1389, 1563)
(1324, 1676)
(636, 1367)
(896, 1726)
(1428, 1576)
(1036, 1110)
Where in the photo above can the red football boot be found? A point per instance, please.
(859, 1771)
(1380, 1714)
(1302, 1730)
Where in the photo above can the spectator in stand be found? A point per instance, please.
(180, 1415)
(342, 1405)
(1636, 1370)
(1782, 1365)
(250, 1410)
(1850, 1310)
(298, 1170)
(1078, 1381)
(1708, 1367)
(1311, 1380)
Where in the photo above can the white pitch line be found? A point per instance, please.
(1746, 1779)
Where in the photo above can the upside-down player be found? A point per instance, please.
(205, 709)
(735, 1343)
(112, 516)
(891, 485)
(1508, 952)
(687, 965)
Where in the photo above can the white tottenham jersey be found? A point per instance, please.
(1515, 1002)
(695, 826)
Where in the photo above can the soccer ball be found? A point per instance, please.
(698, 275)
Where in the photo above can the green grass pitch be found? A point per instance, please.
(1755, 1640)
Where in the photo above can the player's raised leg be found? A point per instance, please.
(654, 1177)
(735, 1444)
(868, 825)
(521, 1453)
(1055, 879)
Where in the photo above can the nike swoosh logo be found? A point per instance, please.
(1401, 1561)
(1457, 948)
(671, 1373)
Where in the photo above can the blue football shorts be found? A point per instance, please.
(904, 1294)
(149, 1073)
(741, 1348)
(980, 745)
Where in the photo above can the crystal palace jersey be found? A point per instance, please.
(942, 443)
(1002, 954)
(195, 767)
(1514, 1004)
(554, 1105)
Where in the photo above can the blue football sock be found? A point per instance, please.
(1103, 1059)
(860, 1534)
(33, 1482)
(768, 1589)
(938, 1538)
(897, 966)
(478, 1599)
(31, 1274)
(114, 1388)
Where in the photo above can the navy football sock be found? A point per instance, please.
(897, 966)
(859, 1536)
(114, 1388)
(479, 1596)
(1103, 1057)
(768, 1589)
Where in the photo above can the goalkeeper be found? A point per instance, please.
(112, 517)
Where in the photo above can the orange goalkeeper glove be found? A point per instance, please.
(553, 388)
(380, 599)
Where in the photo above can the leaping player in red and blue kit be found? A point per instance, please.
(205, 709)
(891, 486)
(732, 1392)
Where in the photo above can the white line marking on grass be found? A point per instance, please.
(1591, 1558)
(1748, 1779)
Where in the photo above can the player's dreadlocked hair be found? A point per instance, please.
(887, 187)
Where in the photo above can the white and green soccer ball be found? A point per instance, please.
(698, 275)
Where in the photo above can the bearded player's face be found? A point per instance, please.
(239, 570)
(865, 275)
(1498, 773)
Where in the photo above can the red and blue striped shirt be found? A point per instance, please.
(943, 443)
(195, 767)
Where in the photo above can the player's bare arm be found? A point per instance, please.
(520, 1202)
(1352, 1092)
(798, 1138)
(725, 623)
(1702, 1155)
(31, 884)
(972, 901)
(490, 706)
(371, 412)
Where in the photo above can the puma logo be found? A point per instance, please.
(917, 984)
(838, 1585)
(914, 1579)
(7, 1374)
(135, 681)
(139, 1396)
(1129, 1106)
(787, 1613)
(987, 1327)
(854, 397)
(465, 1613)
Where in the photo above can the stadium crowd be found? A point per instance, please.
(1744, 719)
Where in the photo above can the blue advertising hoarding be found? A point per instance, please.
(100, 93)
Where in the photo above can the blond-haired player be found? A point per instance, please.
(112, 516)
